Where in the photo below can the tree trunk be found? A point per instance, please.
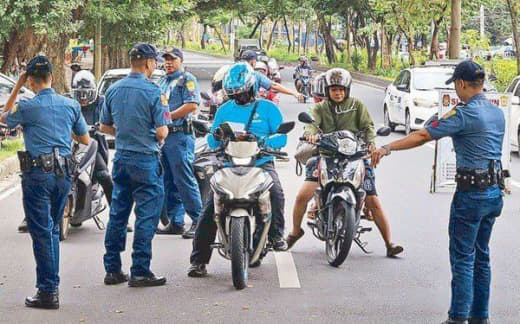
(258, 23)
(514, 22)
(56, 53)
(21, 45)
(328, 39)
(434, 47)
(454, 52)
(299, 36)
(410, 49)
(203, 38)
(316, 39)
(288, 35)
(219, 35)
(307, 38)
(181, 36)
(386, 49)
(270, 39)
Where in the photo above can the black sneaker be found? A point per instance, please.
(171, 230)
(22, 228)
(190, 233)
(146, 281)
(43, 300)
(197, 270)
(115, 278)
(279, 244)
(479, 321)
(451, 320)
(256, 264)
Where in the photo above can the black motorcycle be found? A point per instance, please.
(340, 197)
(85, 200)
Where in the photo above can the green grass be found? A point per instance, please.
(9, 148)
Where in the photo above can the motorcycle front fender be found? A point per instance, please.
(344, 193)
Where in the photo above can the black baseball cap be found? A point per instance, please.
(175, 53)
(146, 51)
(467, 71)
(249, 55)
(39, 64)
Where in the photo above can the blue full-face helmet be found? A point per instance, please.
(240, 79)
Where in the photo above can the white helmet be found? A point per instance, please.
(261, 67)
(338, 77)
(84, 87)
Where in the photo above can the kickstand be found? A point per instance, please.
(99, 223)
(362, 245)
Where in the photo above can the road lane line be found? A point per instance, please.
(287, 275)
(10, 191)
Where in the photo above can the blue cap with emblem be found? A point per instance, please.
(145, 51)
(39, 64)
(175, 53)
(467, 71)
(249, 55)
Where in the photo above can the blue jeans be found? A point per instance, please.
(471, 220)
(44, 199)
(182, 194)
(137, 178)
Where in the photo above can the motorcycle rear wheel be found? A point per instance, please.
(65, 221)
(239, 241)
(339, 241)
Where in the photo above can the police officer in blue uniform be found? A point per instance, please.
(477, 129)
(263, 118)
(135, 114)
(182, 195)
(48, 121)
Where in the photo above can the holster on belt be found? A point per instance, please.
(51, 162)
(186, 128)
(480, 179)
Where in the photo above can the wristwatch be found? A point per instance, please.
(387, 149)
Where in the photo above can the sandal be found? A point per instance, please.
(392, 250)
(291, 239)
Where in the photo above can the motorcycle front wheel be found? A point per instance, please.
(340, 236)
(65, 221)
(239, 244)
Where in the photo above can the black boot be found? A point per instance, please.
(479, 321)
(115, 278)
(22, 228)
(146, 281)
(197, 270)
(171, 230)
(190, 233)
(43, 300)
(452, 320)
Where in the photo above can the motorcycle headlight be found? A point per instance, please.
(358, 175)
(347, 146)
(322, 169)
(425, 103)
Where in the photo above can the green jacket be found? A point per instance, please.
(351, 115)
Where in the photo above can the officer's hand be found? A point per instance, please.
(300, 97)
(22, 79)
(376, 156)
(313, 139)
(371, 148)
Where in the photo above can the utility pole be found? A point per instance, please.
(454, 45)
(97, 46)
(482, 27)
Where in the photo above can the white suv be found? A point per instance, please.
(414, 95)
(514, 126)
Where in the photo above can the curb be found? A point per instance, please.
(8, 167)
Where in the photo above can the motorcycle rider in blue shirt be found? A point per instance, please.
(239, 84)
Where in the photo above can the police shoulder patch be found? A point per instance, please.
(164, 100)
(190, 85)
(449, 114)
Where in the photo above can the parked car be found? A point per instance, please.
(514, 126)
(413, 97)
(112, 76)
(6, 87)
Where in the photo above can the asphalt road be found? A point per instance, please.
(366, 289)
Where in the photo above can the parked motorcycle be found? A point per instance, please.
(340, 197)
(85, 200)
(241, 198)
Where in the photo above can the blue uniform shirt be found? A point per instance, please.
(477, 130)
(180, 87)
(135, 106)
(266, 121)
(47, 121)
(262, 81)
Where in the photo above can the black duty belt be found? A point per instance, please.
(51, 162)
(481, 179)
(186, 129)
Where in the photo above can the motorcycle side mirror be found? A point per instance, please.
(227, 131)
(285, 128)
(384, 131)
(201, 126)
(305, 118)
(205, 95)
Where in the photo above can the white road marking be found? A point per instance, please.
(10, 191)
(287, 275)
